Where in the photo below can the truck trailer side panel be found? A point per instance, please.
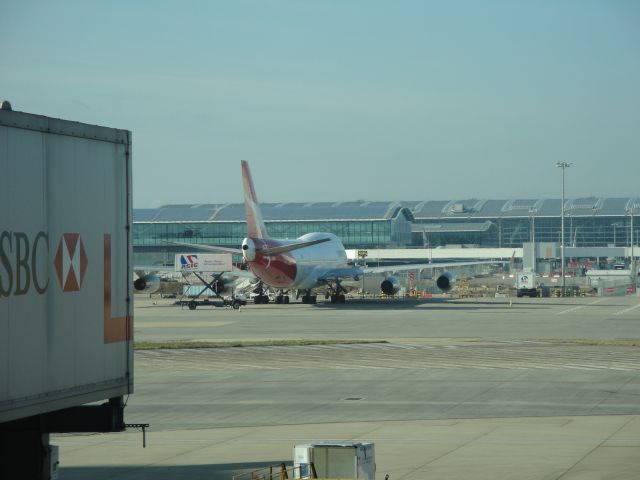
(65, 273)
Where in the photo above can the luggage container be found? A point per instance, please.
(65, 281)
(330, 460)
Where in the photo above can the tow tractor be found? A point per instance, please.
(234, 302)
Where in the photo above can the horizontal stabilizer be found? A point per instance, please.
(270, 251)
(208, 248)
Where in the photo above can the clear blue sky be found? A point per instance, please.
(342, 100)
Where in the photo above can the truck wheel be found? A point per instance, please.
(192, 305)
(236, 304)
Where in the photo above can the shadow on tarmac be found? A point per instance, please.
(442, 303)
(223, 471)
(401, 304)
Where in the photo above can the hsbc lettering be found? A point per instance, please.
(18, 263)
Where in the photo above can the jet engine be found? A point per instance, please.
(390, 285)
(248, 250)
(445, 281)
(223, 286)
(148, 283)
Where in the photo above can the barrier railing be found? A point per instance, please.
(278, 472)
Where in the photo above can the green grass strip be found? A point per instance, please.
(607, 342)
(244, 343)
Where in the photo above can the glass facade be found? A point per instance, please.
(227, 234)
(354, 234)
(589, 222)
(513, 232)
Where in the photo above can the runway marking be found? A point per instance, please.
(142, 324)
(626, 310)
(578, 307)
(587, 367)
(525, 356)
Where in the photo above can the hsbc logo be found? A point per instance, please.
(26, 265)
(70, 262)
(22, 268)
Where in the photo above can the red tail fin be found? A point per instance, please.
(255, 224)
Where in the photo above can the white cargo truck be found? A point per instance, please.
(341, 460)
(526, 284)
(65, 283)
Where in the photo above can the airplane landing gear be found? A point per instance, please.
(308, 298)
(258, 299)
(337, 298)
(280, 298)
(337, 295)
(261, 297)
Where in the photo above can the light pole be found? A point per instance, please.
(532, 213)
(563, 166)
(363, 254)
(634, 275)
(615, 233)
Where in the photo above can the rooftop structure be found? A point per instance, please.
(275, 212)
(412, 211)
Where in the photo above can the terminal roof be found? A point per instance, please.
(315, 211)
(472, 208)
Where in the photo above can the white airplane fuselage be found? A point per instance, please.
(298, 269)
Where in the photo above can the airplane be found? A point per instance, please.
(311, 262)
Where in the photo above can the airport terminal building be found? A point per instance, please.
(471, 223)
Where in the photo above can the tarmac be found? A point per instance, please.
(474, 389)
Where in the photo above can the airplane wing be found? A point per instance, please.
(426, 266)
(356, 272)
(239, 274)
(341, 274)
(142, 270)
(391, 285)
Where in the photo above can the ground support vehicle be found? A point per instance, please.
(525, 285)
(234, 302)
